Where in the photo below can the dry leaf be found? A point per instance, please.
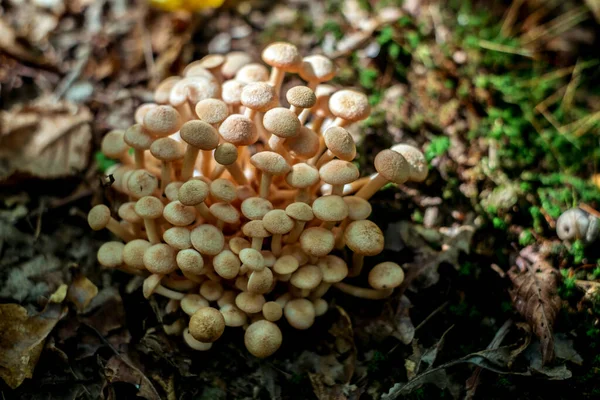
(405, 330)
(81, 292)
(535, 296)
(22, 339)
(119, 370)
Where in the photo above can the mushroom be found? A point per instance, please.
(228, 297)
(349, 106)
(207, 325)
(152, 285)
(278, 223)
(190, 303)
(198, 135)
(150, 208)
(99, 218)
(333, 268)
(178, 238)
(386, 275)
(416, 160)
(233, 316)
(358, 209)
(258, 97)
(270, 164)
(207, 239)
(133, 253)
(364, 238)
(223, 190)
(211, 290)
(114, 146)
(330, 209)
(301, 213)
(260, 282)
(262, 338)
(226, 154)
(193, 343)
(299, 313)
(140, 183)
(317, 242)
(172, 190)
(234, 61)
(304, 145)
(160, 259)
(338, 173)
(140, 140)
(255, 230)
(339, 144)
(272, 311)
(237, 244)
(363, 293)
(255, 208)
(300, 98)
(281, 123)
(161, 121)
(232, 95)
(321, 307)
(302, 177)
(225, 213)
(127, 213)
(250, 303)
(252, 259)
(110, 254)
(178, 214)
(282, 57)
(239, 130)
(391, 167)
(251, 73)
(193, 193)
(163, 90)
(287, 264)
(307, 277)
(321, 109)
(166, 150)
(316, 69)
(226, 264)
(213, 63)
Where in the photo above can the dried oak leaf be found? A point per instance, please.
(118, 369)
(22, 339)
(46, 139)
(81, 292)
(535, 296)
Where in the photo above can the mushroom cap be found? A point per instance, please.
(200, 134)
(239, 130)
(281, 122)
(136, 137)
(99, 217)
(300, 211)
(160, 259)
(133, 253)
(299, 313)
(223, 190)
(162, 121)
(260, 281)
(211, 290)
(150, 284)
(194, 89)
(386, 275)
(232, 92)
(259, 96)
(193, 192)
(318, 68)
(282, 55)
(234, 317)
(226, 153)
(323, 93)
(141, 183)
(192, 303)
(178, 238)
(416, 160)
(272, 311)
(163, 90)
(392, 166)
(212, 61)
(190, 261)
(317, 242)
(110, 254)
(149, 207)
(302, 176)
(113, 144)
(252, 258)
(179, 214)
(339, 141)
(250, 302)
(251, 73)
(255, 208)
(269, 258)
(237, 244)
(321, 307)
(307, 277)
(305, 144)
(270, 162)
(349, 105)
(358, 208)
(339, 172)
(278, 222)
(334, 268)
(228, 298)
(196, 69)
(286, 265)
(212, 111)
(364, 237)
(233, 62)
(572, 224)
(255, 229)
(141, 111)
(225, 212)
(226, 264)
(207, 239)
(262, 338)
(172, 190)
(301, 97)
(193, 343)
(167, 149)
(241, 283)
(330, 208)
(207, 325)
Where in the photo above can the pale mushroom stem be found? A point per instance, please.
(115, 227)
(337, 190)
(357, 264)
(328, 225)
(325, 158)
(340, 240)
(165, 175)
(189, 160)
(171, 294)
(277, 145)
(276, 79)
(193, 343)
(356, 185)
(236, 173)
(276, 244)
(138, 155)
(375, 183)
(217, 172)
(204, 212)
(265, 183)
(320, 290)
(295, 232)
(257, 243)
(303, 195)
(341, 122)
(363, 293)
(206, 162)
(317, 123)
(283, 195)
(220, 224)
(303, 117)
(185, 110)
(152, 230)
(262, 132)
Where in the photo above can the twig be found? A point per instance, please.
(567, 100)
(486, 44)
(555, 27)
(437, 310)
(511, 17)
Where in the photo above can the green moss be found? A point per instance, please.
(438, 146)
(103, 162)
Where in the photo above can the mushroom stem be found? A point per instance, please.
(193, 343)
(257, 243)
(115, 227)
(236, 173)
(276, 79)
(341, 122)
(206, 162)
(328, 224)
(189, 160)
(363, 293)
(320, 290)
(217, 172)
(165, 174)
(152, 230)
(138, 155)
(204, 212)
(171, 294)
(265, 183)
(276, 244)
(340, 241)
(317, 123)
(296, 231)
(357, 264)
(325, 157)
(375, 183)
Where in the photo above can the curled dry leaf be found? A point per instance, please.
(119, 370)
(81, 292)
(535, 296)
(405, 330)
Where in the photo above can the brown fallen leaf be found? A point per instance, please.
(81, 292)
(119, 370)
(405, 330)
(22, 339)
(535, 296)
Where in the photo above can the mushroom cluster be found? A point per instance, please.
(237, 208)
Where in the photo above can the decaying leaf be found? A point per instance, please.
(535, 296)
(22, 339)
(119, 370)
(405, 330)
(81, 292)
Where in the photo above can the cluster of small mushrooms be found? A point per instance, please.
(237, 205)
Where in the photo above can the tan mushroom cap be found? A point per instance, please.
(179, 214)
(300, 313)
(302, 176)
(212, 111)
(307, 277)
(339, 172)
(226, 153)
(270, 162)
(237, 244)
(225, 212)
(172, 190)
(163, 90)
(259, 96)
(318, 68)
(255, 208)
(255, 229)
(323, 93)
(113, 144)
(386, 275)
(207, 325)
(281, 122)
(239, 130)
(234, 317)
(226, 264)
(160, 259)
(141, 183)
(262, 338)
(272, 311)
(192, 303)
(193, 192)
(415, 158)
(212, 61)
(110, 254)
(339, 141)
(190, 261)
(98, 217)
(167, 149)
(162, 121)
(300, 211)
(305, 144)
(207, 239)
(253, 259)
(194, 89)
(269, 258)
(317, 242)
(301, 97)
(392, 166)
(251, 73)
(277, 222)
(211, 290)
(234, 61)
(334, 268)
(196, 69)
(141, 111)
(321, 307)
(149, 207)
(330, 208)
(228, 297)
(349, 105)
(282, 55)
(133, 253)
(364, 237)
(223, 190)
(250, 302)
(358, 208)
(260, 281)
(199, 134)
(232, 92)
(136, 137)
(178, 238)
(286, 265)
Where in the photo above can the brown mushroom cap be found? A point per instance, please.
(321, 307)
(364, 237)
(358, 208)
(349, 105)
(269, 258)
(270, 162)
(193, 192)
(282, 55)
(167, 149)
(307, 277)
(212, 111)
(160, 259)
(212, 61)
(323, 93)
(162, 121)
(286, 264)
(194, 89)
(223, 190)
(196, 69)
(250, 302)
(149, 207)
(178, 238)
(207, 325)
(253, 259)
(301, 97)
(392, 166)
(192, 303)
(98, 217)
(113, 144)
(281, 122)
(334, 268)
(339, 172)
(141, 111)
(211, 290)
(255, 208)
(199, 134)
(386, 275)
(277, 222)
(232, 92)
(233, 316)
(141, 183)
(228, 297)
(163, 90)
(262, 338)
(300, 313)
(233, 62)
(418, 164)
(225, 212)
(340, 143)
(317, 242)
(133, 253)
(251, 73)
(255, 229)
(237, 244)
(305, 144)
(172, 190)
(302, 176)
(259, 96)
(239, 130)
(190, 261)
(226, 153)
(226, 264)
(136, 137)
(110, 254)
(300, 211)
(260, 281)
(317, 67)
(272, 311)
(179, 214)
(207, 239)
(330, 208)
